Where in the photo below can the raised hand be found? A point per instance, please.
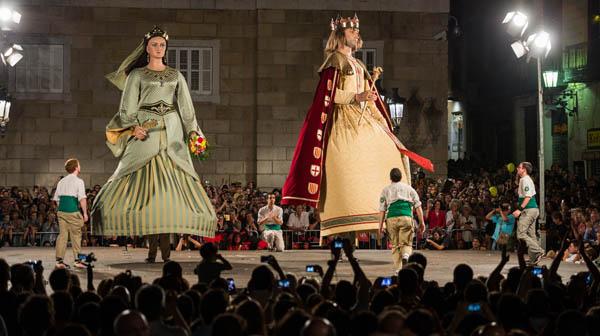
(140, 133)
(335, 251)
(505, 257)
(348, 249)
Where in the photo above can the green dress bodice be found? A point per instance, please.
(159, 98)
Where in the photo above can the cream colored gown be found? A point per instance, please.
(358, 160)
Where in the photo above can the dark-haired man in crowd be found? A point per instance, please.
(271, 217)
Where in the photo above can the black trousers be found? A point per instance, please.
(164, 240)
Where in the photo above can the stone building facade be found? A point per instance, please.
(260, 80)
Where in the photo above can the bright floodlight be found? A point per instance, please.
(5, 14)
(519, 48)
(515, 23)
(12, 55)
(539, 44)
(16, 17)
(8, 18)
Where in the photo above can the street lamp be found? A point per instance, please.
(537, 45)
(550, 79)
(396, 105)
(10, 54)
(4, 111)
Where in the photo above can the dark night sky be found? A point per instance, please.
(486, 75)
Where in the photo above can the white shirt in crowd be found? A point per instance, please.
(467, 235)
(300, 222)
(70, 185)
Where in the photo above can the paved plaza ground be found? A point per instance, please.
(113, 260)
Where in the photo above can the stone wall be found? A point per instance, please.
(290, 51)
(268, 60)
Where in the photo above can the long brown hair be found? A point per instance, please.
(142, 61)
(336, 39)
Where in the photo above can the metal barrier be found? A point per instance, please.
(301, 240)
(18, 235)
(294, 240)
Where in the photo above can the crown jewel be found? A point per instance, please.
(156, 31)
(342, 23)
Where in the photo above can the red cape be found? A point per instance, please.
(303, 184)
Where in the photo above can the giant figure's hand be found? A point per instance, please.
(367, 95)
(140, 133)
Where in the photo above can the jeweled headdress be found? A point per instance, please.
(341, 23)
(118, 77)
(156, 31)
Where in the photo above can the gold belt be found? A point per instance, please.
(161, 108)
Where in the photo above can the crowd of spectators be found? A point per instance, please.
(471, 209)
(526, 301)
(28, 218)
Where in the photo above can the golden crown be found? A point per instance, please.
(156, 31)
(342, 23)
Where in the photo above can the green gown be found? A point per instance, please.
(154, 188)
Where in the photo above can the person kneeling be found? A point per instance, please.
(271, 217)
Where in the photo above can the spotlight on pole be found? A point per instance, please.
(519, 48)
(515, 23)
(8, 17)
(539, 44)
(12, 55)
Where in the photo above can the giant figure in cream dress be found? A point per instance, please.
(154, 188)
(346, 149)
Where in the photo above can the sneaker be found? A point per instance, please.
(149, 261)
(61, 264)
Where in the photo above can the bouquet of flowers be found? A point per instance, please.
(198, 147)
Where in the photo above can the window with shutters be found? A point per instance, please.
(367, 56)
(198, 62)
(43, 73)
(41, 70)
(371, 54)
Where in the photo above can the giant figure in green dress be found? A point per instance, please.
(154, 189)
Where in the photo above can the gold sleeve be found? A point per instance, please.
(344, 97)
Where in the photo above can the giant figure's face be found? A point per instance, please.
(156, 48)
(352, 37)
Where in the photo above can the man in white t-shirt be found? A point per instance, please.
(271, 217)
(70, 196)
(298, 220)
(527, 212)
